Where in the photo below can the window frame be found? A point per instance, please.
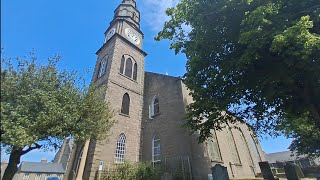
(233, 146)
(152, 112)
(154, 139)
(26, 176)
(211, 142)
(128, 71)
(125, 70)
(37, 177)
(120, 152)
(125, 106)
(103, 67)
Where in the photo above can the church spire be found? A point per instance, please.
(127, 10)
(132, 2)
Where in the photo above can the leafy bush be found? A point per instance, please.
(136, 171)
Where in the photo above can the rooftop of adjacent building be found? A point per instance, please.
(41, 167)
(283, 156)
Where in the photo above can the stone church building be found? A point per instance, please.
(149, 109)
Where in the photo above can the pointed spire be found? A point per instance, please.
(127, 10)
(131, 2)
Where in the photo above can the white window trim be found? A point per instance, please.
(121, 139)
(153, 148)
(37, 177)
(151, 107)
(103, 67)
(26, 176)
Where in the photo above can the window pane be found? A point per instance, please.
(122, 65)
(135, 69)
(213, 147)
(155, 105)
(254, 148)
(156, 109)
(233, 147)
(125, 104)
(156, 143)
(155, 149)
(120, 149)
(128, 71)
(103, 67)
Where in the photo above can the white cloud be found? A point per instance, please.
(153, 12)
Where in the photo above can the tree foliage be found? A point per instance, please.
(259, 60)
(40, 106)
(136, 171)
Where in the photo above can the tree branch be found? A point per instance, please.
(37, 146)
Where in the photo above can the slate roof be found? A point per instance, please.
(282, 157)
(40, 167)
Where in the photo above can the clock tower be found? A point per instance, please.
(119, 66)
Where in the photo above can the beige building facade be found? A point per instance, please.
(150, 112)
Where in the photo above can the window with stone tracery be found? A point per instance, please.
(213, 147)
(156, 149)
(254, 148)
(102, 67)
(120, 149)
(233, 147)
(154, 108)
(244, 142)
(129, 67)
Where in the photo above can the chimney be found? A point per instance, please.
(44, 161)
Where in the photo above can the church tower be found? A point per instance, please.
(120, 65)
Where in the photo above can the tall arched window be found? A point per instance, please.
(122, 64)
(135, 71)
(213, 147)
(233, 147)
(154, 108)
(125, 104)
(128, 71)
(102, 67)
(79, 160)
(156, 149)
(254, 148)
(244, 141)
(129, 67)
(120, 149)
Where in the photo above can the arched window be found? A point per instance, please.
(125, 104)
(102, 67)
(128, 71)
(156, 149)
(154, 108)
(244, 142)
(129, 67)
(135, 69)
(213, 147)
(79, 161)
(121, 149)
(122, 65)
(254, 148)
(233, 147)
(124, 12)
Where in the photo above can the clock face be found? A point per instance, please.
(133, 37)
(110, 34)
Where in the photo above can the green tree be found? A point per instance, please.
(41, 105)
(258, 60)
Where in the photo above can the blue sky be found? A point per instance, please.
(75, 29)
